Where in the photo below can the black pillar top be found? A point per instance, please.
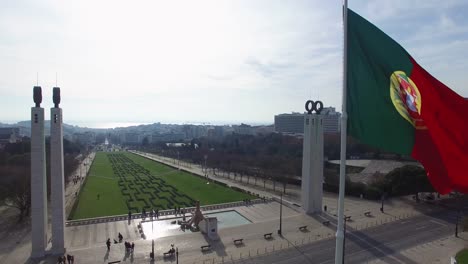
(37, 95)
(56, 96)
(312, 106)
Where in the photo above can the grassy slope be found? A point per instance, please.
(102, 180)
(462, 257)
(192, 186)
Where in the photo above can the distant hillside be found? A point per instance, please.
(25, 128)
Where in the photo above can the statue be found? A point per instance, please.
(56, 96)
(37, 95)
(197, 216)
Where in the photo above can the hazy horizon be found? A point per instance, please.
(108, 125)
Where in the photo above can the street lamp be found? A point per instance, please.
(344, 238)
(152, 249)
(206, 156)
(178, 160)
(281, 214)
(382, 198)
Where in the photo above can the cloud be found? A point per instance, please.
(246, 60)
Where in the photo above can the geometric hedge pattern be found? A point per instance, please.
(143, 190)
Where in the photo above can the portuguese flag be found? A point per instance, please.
(397, 106)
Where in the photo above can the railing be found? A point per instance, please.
(169, 212)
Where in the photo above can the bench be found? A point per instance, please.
(303, 228)
(368, 213)
(347, 218)
(168, 254)
(205, 247)
(238, 241)
(267, 236)
(326, 223)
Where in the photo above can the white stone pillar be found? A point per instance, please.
(312, 164)
(57, 190)
(38, 183)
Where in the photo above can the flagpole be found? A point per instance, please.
(339, 249)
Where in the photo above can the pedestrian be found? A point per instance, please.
(68, 259)
(157, 213)
(120, 237)
(133, 247)
(72, 259)
(108, 244)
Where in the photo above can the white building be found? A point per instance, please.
(294, 123)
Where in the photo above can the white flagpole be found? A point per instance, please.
(339, 250)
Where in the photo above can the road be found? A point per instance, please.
(382, 242)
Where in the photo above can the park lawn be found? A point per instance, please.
(191, 185)
(101, 180)
(462, 257)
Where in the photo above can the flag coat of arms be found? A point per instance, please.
(395, 105)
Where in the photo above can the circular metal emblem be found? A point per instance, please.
(312, 106)
(406, 98)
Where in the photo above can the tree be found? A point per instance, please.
(145, 141)
(15, 189)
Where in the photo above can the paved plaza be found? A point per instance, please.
(87, 242)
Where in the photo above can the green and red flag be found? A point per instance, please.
(395, 105)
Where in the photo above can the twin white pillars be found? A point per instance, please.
(312, 164)
(39, 181)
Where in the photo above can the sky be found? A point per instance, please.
(204, 61)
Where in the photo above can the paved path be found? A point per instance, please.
(381, 244)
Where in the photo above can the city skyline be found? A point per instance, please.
(205, 62)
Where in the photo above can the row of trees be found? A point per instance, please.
(274, 157)
(15, 172)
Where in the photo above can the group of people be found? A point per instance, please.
(152, 213)
(63, 260)
(178, 210)
(129, 247)
(155, 212)
(76, 179)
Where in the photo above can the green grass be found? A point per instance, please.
(462, 257)
(125, 181)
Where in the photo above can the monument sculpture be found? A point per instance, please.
(197, 216)
(57, 175)
(312, 158)
(38, 178)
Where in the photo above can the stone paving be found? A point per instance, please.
(438, 251)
